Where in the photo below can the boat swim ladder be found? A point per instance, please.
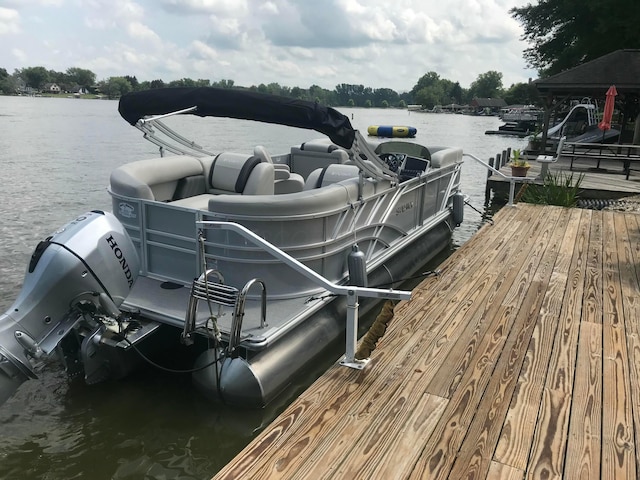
(224, 296)
(350, 291)
(238, 314)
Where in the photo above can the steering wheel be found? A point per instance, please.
(393, 160)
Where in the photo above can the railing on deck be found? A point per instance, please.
(493, 170)
(627, 154)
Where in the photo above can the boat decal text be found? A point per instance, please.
(404, 207)
(121, 260)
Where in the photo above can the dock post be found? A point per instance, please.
(487, 188)
(512, 192)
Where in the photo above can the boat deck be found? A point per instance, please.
(153, 300)
(522, 360)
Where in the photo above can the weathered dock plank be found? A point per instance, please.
(503, 383)
(618, 454)
(585, 432)
(629, 257)
(515, 441)
(520, 360)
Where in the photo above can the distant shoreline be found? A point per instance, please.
(89, 96)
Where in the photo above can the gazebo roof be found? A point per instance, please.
(620, 68)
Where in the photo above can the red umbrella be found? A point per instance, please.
(605, 124)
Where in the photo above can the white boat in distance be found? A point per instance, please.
(522, 113)
(251, 262)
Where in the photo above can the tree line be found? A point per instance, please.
(430, 90)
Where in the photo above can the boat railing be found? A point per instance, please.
(351, 292)
(512, 180)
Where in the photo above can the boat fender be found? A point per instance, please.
(458, 208)
(357, 267)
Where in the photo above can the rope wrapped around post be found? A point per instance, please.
(377, 330)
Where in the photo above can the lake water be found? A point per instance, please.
(55, 160)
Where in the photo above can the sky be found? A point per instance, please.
(295, 43)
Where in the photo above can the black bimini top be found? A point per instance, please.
(242, 104)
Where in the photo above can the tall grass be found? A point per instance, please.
(557, 189)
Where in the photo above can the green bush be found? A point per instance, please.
(557, 189)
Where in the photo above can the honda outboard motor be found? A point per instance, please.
(89, 264)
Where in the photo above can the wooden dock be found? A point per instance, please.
(608, 183)
(522, 360)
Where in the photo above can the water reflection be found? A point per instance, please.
(149, 425)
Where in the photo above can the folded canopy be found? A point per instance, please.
(242, 104)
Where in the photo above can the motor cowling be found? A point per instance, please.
(92, 259)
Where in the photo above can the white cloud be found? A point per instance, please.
(18, 54)
(202, 51)
(110, 14)
(216, 7)
(291, 42)
(9, 21)
(140, 31)
(24, 3)
(269, 8)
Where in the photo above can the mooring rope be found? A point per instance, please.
(377, 330)
(520, 193)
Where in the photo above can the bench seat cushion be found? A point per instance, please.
(198, 202)
(154, 179)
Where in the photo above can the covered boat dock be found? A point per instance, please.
(521, 360)
(592, 80)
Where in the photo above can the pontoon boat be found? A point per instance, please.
(255, 260)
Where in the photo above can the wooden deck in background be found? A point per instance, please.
(609, 184)
(522, 360)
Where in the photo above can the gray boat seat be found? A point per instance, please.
(239, 174)
(285, 181)
(443, 156)
(321, 177)
(159, 178)
(316, 154)
(291, 183)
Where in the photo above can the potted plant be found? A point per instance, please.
(519, 166)
(535, 142)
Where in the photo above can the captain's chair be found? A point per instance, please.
(285, 181)
(321, 177)
(235, 173)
